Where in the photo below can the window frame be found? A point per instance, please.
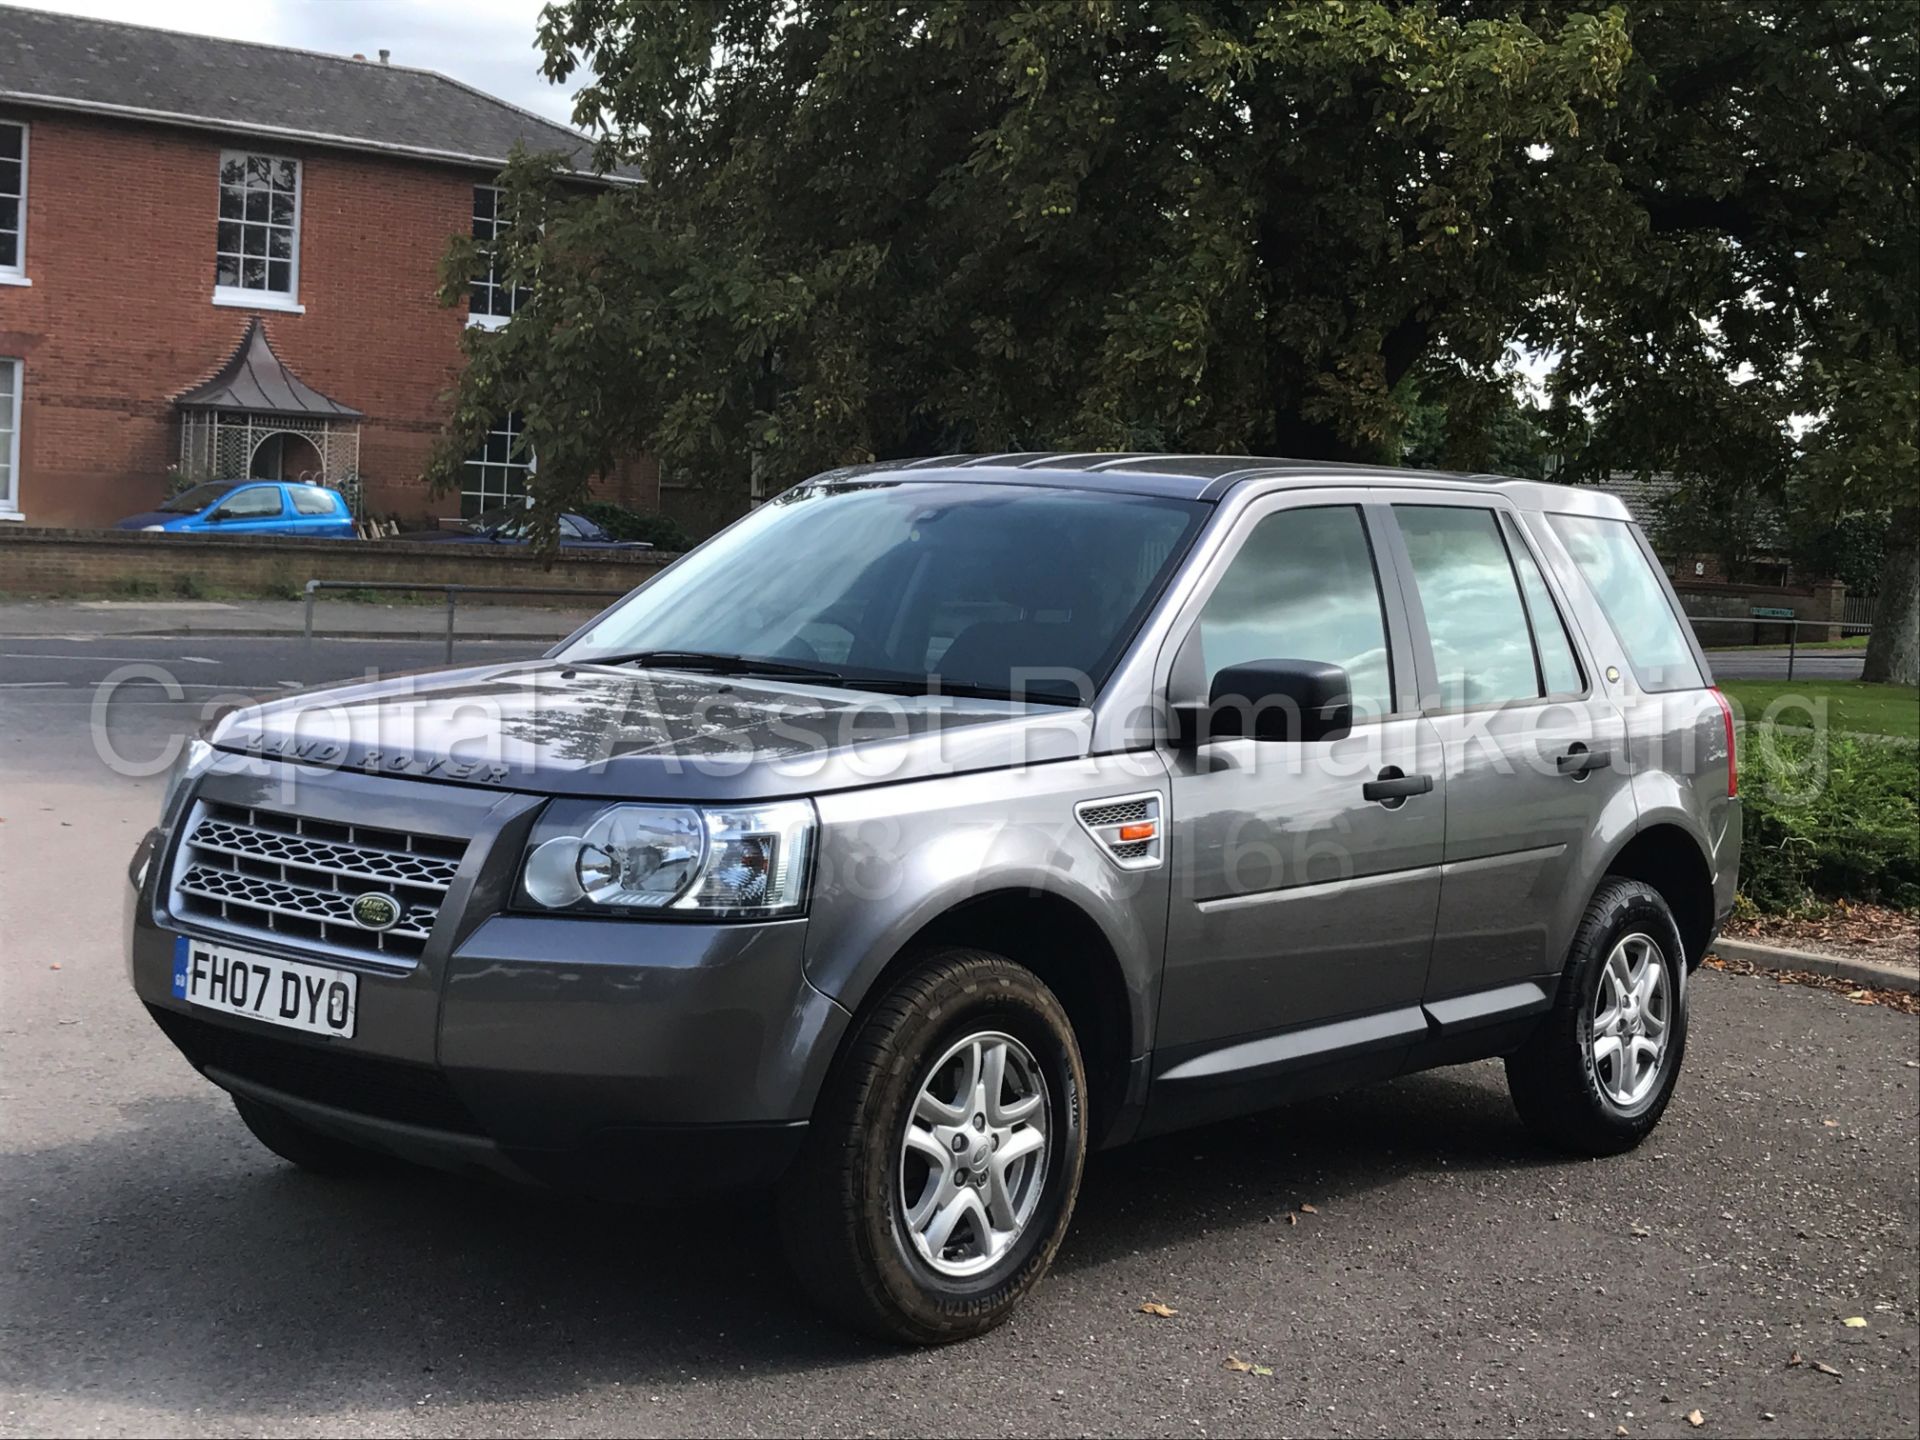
(16, 273)
(240, 296)
(490, 319)
(1516, 536)
(530, 467)
(1180, 674)
(273, 487)
(1430, 704)
(1663, 585)
(10, 496)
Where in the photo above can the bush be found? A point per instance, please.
(662, 532)
(1828, 817)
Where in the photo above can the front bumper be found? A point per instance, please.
(633, 1058)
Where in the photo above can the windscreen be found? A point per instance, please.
(1009, 589)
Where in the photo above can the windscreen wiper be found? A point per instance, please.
(713, 663)
(960, 689)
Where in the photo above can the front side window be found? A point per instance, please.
(10, 437)
(13, 201)
(491, 301)
(497, 472)
(257, 254)
(1482, 648)
(256, 502)
(1304, 587)
(1010, 591)
(1621, 577)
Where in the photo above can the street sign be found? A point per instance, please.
(1770, 612)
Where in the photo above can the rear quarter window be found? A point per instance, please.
(312, 500)
(1616, 569)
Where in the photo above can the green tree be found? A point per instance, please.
(868, 230)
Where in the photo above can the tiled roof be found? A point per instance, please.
(239, 87)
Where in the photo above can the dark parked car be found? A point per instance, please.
(250, 507)
(509, 526)
(939, 822)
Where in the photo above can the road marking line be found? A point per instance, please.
(115, 659)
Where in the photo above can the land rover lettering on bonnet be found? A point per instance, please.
(942, 820)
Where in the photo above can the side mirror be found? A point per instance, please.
(214, 517)
(1284, 700)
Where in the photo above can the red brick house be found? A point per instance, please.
(161, 192)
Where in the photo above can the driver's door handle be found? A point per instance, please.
(1396, 787)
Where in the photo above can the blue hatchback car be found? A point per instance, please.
(251, 507)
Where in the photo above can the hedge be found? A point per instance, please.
(1828, 817)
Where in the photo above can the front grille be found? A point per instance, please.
(322, 1072)
(258, 872)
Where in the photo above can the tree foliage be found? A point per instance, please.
(873, 229)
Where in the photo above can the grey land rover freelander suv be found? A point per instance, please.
(940, 820)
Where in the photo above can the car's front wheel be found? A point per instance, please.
(1597, 1073)
(945, 1155)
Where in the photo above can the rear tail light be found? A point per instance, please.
(1733, 764)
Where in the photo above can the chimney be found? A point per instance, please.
(385, 56)
(358, 56)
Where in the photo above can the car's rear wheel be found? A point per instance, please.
(301, 1144)
(945, 1155)
(1597, 1074)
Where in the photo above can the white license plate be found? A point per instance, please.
(315, 998)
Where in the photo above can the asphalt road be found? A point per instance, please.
(1772, 664)
(161, 1274)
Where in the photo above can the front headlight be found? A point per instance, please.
(195, 756)
(149, 529)
(674, 860)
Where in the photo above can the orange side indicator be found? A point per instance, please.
(1143, 830)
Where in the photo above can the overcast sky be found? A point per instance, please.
(487, 43)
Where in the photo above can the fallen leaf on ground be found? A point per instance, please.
(1154, 1307)
(1831, 1124)
(1638, 1230)
(1824, 1368)
(1235, 1363)
(1696, 1419)
(1855, 1322)
(1263, 1369)
(1292, 1219)
(1796, 1358)
(1619, 1429)
(1308, 1210)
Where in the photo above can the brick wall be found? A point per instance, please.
(119, 317)
(1722, 604)
(41, 561)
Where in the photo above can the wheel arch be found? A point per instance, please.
(1053, 936)
(1673, 860)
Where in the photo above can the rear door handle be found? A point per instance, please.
(1392, 786)
(1579, 760)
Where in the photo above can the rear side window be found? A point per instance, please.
(1558, 665)
(1482, 650)
(1616, 569)
(312, 500)
(1303, 587)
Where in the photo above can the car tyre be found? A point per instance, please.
(1589, 1079)
(301, 1144)
(864, 1214)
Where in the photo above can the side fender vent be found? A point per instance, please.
(1130, 828)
